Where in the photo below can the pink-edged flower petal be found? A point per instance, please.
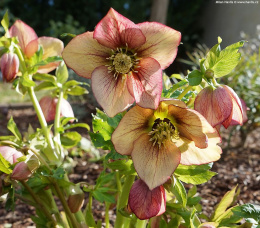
(9, 65)
(115, 31)
(51, 47)
(215, 105)
(146, 85)
(245, 108)
(112, 94)
(192, 155)
(237, 112)
(191, 125)
(10, 154)
(83, 54)
(25, 35)
(130, 128)
(161, 43)
(31, 48)
(153, 165)
(176, 102)
(21, 172)
(146, 203)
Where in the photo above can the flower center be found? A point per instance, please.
(162, 131)
(122, 61)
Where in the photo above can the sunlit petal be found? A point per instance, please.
(153, 165)
(161, 43)
(130, 128)
(115, 31)
(112, 94)
(146, 203)
(83, 54)
(146, 85)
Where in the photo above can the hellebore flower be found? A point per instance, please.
(10, 154)
(159, 140)
(29, 41)
(124, 61)
(146, 203)
(9, 66)
(220, 105)
(21, 172)
(48, 105)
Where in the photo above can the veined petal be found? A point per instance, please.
(192, 155)
(24, 33)
(31, 48)
(83, 54)
(153, 165)
(214, 105)
(131, 127)
(237, 112)
(146, 85)
(112, 94)
(115, 31)
(176, 102)
(161, 43)
(146, 203)
(51, 47)
(191, 125)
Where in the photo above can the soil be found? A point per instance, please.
(237, 166)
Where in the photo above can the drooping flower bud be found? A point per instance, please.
(209, 74)
(48, 105)
(10, 154)
(9, 66)
(21, 172)
(76, 199)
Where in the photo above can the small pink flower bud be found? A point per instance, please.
(75, 202)
(10, 154)
(21, 172)
(9, 66)
(48, 105)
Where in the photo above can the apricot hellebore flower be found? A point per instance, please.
(124, 61)
(29, 41)
(9, 65)
(221, 105)
(159, 140)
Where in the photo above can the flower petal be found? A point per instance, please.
(24, 32)
(31, 48)
(112, 94)
(83, 54)
(161, 43)
(115, 31)
(237, 112)
(154, 165)
(191, 125)
(192, 155)
(133, 124)
(51, 47)
(146, 203)
(214, 105)
(146, 85)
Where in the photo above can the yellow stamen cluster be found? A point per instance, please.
(162, 131)
(122, 62)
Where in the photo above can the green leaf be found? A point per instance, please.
(68, 34)
(49, 60)
(225, 202)
(89, 217)
(45, 77)
(99, 141)
(102, 127)
(194, 174)
(124, 166)
(5, 21)
(180, 193)
(102, 196)
(194, 78)
(192, 191)
(4, 165)
(76, 91)
(168, 93)
(83, 125)
(62, 73)
(10, 202)
(25, 81)
(250, 212)
(114, 155)
(45, 86)
(11, 126)
(70, 139)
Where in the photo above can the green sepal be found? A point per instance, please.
(195, 78)
(62, 73)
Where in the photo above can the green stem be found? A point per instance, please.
(186, 90)
(123, 199)
(22, 65)
(140, 223)
(107, 214)
(65, 205)
(38, 201)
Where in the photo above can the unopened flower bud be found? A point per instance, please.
(209, 74)
(10, 154)
(9, 66)
(48, 105)
(21, 172)
(75, 202)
